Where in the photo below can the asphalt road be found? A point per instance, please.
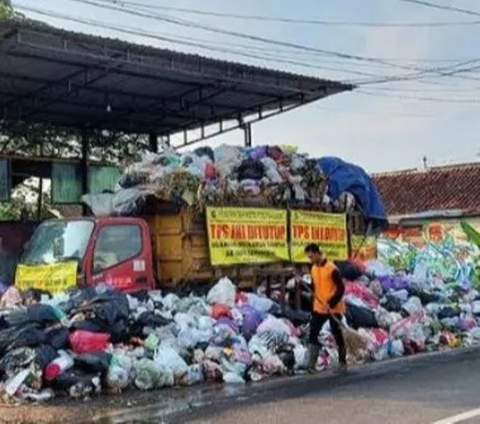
(416, 391)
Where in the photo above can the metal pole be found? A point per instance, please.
(84, 164)
(153, 141)
(40, 191)
(247, 128)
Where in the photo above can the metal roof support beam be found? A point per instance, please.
(222, 130)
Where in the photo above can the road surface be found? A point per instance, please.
(430, 390)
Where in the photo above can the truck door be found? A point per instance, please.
(121, 256)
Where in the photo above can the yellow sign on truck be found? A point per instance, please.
(247, 235)
(54, 278)
(327, 230)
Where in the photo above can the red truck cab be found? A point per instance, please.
(114, 251)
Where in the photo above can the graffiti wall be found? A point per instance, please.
(431, 231)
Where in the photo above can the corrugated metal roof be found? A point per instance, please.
(70, 79)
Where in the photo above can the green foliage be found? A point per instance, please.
(472, 234)
(24, 203)
(6, 9)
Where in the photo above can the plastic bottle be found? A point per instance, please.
(63, 363)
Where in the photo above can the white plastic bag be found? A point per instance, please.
(223, 293)
(261, 304)
(193, 376)
(168, 357)
(274, 325)
(301, 356)
(271, 170)
(232, 378)
(227, 159)
(413, 305)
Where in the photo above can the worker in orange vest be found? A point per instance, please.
(328, 291)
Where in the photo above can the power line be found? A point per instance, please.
(112, 6)
(443, 7)
(282, 20)
(375, 78)
(190, 24)
(186, 41)
(379, 79)
(419, 98)
(282, 56)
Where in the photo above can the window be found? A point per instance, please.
(57, 241)
(116, 244)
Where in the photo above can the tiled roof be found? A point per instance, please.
(454, 187)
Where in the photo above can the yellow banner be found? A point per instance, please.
(327, 230)
(247, 235)
(364, 248)
(52, 278)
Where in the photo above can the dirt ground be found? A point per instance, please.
(72, 411)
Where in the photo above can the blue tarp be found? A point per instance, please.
(346, 177)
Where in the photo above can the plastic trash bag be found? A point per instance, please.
(358, 317)
(193, 376)
(222, 293)
(413, 305)
(61, 364)
(259, 303)
(271, 171)
(274, 325)
(85, 341)
(232, 378)
(167, 357)
(94, 362)
(117, 378)
(147, 374)
(227, 160)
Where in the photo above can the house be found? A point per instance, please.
(428, 204)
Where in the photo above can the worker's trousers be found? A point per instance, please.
(316, 324)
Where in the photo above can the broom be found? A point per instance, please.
(355, 344)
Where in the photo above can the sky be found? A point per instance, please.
(382, 127)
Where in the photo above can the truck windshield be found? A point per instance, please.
(57, 241)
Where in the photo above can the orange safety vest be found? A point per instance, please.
(324, 289)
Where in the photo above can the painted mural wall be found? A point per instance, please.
(431, 231)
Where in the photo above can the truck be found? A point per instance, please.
(166, 247)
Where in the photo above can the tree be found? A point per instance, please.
(6, 9)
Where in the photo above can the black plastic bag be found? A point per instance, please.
(205, 151)
(96, 363)
(251, 170)
(42, 314)
(118, 332)
(348, 270)
(44, 354)
(358, 317)
(74, 377)
(58, 337)
(29, 337)
(392, 304)
(447, 312)
(17, 359)
(296, 317)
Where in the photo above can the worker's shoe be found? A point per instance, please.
(313, 353)
(342, 367)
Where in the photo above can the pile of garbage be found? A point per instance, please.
(233, 175)
(93, 340)
(228, 175)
